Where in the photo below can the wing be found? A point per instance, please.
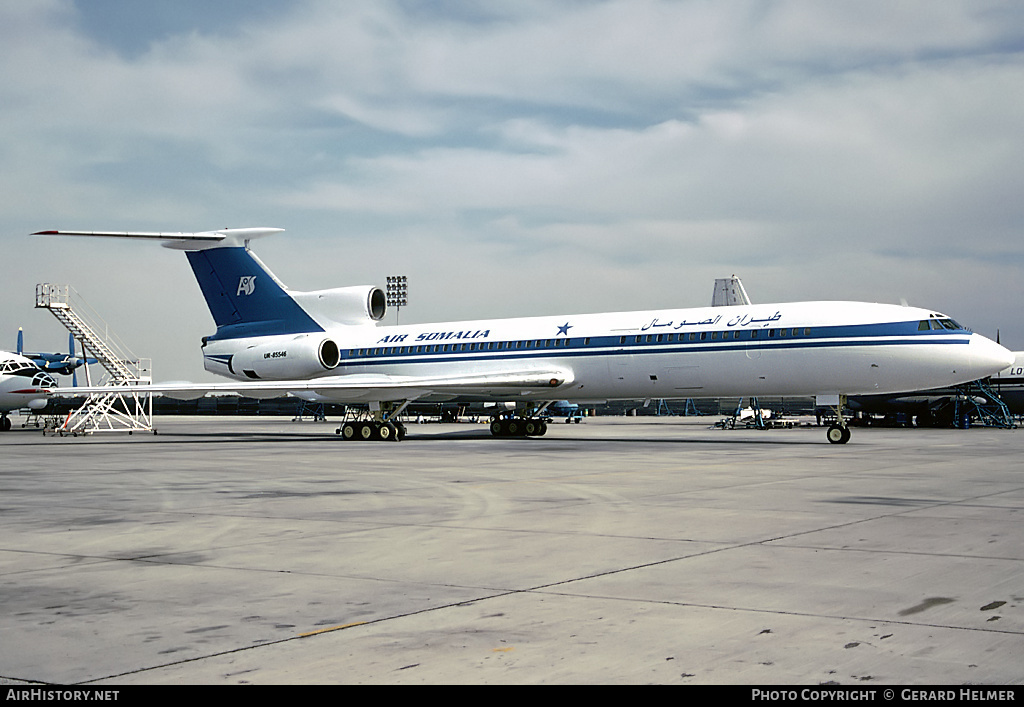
(362, 388)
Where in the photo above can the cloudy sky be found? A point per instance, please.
(514, 158)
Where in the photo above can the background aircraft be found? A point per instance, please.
(63, 363)
(1009, 384)
(23, 384)
(26, 378)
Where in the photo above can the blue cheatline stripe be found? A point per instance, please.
(818, 338)
(822, 337)
(584, 352)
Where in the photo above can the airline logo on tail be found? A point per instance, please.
(246, 285)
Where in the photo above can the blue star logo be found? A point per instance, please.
(564, 329)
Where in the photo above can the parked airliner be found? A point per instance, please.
(23, 384)
(329, 345)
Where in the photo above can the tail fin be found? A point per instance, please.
(244, 297)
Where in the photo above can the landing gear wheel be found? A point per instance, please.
(5, 425)
(498, 428)
(838, 434)
(365, 431)
(348, 431)
(387, 432)
(535, 428)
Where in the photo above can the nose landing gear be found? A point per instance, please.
(838, 432)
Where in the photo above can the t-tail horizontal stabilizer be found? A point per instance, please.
(243, 295)
(180, 241)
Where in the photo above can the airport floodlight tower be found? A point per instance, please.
(397, 293)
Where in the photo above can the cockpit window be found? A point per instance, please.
(17, 367)
(939, 324)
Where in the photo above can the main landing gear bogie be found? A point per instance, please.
(518, 427)
(372, 430)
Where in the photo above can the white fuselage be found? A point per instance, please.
(803, 348)
(22, 383)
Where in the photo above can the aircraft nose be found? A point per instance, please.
(988, 357)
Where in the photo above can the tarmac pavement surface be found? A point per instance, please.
(620, 550)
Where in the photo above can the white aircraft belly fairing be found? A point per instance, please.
(329, 345)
